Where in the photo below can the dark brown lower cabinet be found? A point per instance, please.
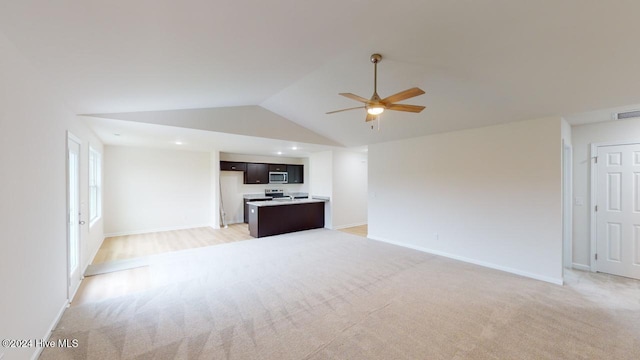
(282, 219)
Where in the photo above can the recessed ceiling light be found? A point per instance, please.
(294, 148)
(178, 142)
(279, 152)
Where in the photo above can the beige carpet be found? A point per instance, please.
(326, 294)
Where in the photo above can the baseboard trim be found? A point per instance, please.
(47, 335)
(349, 225)
(556, 281)
(235, 221)
(581, 267)
(172, 228)
(75, 291)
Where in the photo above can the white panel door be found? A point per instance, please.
(73, 215)
(618, 212)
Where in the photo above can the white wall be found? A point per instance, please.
(233, 187)
(567, 195)
(155, 189)
(263, 159)
(240, 120)
(566, 132)
(583, 136)
(490, 196)
(340, 175)
(321, 181)
(349, 189)
(321, 173)
(33, 235)
(214, 170)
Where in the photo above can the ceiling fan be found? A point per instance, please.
(375, 106)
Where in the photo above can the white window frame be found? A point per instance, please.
(95, 185)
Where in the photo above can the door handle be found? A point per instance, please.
(81, 222)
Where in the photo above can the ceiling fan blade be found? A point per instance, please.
(371, 117)
(336, 111)
(403, 107)
(403, 95)
(355, 97)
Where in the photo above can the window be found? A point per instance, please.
(95, 186)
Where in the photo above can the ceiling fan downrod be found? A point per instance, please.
(375, 59)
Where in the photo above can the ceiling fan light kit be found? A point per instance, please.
(375, 110)
(376, 106)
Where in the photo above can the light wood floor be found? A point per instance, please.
(132, 246)
(120, 283)
(361, 230)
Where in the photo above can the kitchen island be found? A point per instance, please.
(269, 195)
(276, 217)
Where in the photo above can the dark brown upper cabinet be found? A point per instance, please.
(233, 166)
(257, 173)
(278, 167)
(295, 174)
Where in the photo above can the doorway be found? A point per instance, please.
(615, 222)
(73, 215)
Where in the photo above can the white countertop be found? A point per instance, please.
(264, 196)
(284, 202)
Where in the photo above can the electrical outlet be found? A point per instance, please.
(435, 236)
(1, 356)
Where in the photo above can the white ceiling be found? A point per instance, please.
(480, 62)
(132, 133)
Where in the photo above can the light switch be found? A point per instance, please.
(579, 201)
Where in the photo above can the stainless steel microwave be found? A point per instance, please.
(278, 177)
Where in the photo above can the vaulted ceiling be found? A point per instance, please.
(480, 62)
